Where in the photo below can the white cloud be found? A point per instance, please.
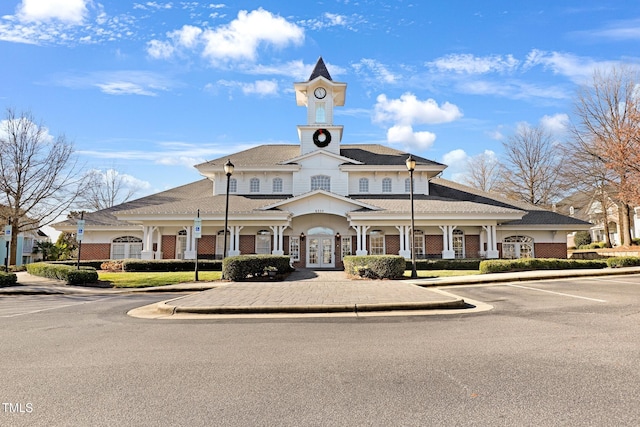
(556, 124)
(124, 82)
(380, 72)
(260, 87)
(160, 49)
(124, 88)
(240, 39)
(409, 110)
(405, 135)
(470, 64)
(69, 11)
(455, 157)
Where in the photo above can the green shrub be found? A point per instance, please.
(243, 267)
(375, 266)
(69, 274)
(445, 264)
(528, 264)
(133, 265)
(635, 241)
(623, 261)
(94, 263)
(582, 238)
(7, 279)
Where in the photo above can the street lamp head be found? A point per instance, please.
(228, 168)
(411, 163)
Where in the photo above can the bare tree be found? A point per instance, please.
(38, 174)
(106, 189)
(607, 128)
(531, 166)
(483, 171)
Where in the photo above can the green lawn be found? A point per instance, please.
(142, 280)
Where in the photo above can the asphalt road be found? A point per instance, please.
(548, 354)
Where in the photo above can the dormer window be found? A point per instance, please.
(321, 182)
(254, 185)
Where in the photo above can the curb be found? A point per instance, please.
(458, 303)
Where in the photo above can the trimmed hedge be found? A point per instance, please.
(7, 279)
(93, 263)
(528, 264)
(623, 261)
(445, 264)
(64, 272)
(133, 265)
(375, 266)
(243, 267)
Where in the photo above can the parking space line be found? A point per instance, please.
(54, 308)
(557, 293)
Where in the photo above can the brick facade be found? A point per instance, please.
(550, 250)
(433, 244)
(392, 244)
(207, 245)
(168, 247)
(472, 246)
(247, 244)
(95, 251)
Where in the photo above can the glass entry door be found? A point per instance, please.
(320, 252)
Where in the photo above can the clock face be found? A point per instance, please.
(320, 92)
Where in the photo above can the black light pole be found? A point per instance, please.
(196, 239)
(228, 170)
(411, 166)
(8, 239)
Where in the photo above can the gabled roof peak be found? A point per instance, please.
(320, 70)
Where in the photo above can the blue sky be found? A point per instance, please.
(152, 88)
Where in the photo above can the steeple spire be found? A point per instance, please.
(320, 70)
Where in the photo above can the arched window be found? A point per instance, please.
(321, 117)
(263, 242)
(233, 185)
(321, 182)
(363, 185)
(126, 247)
(407, 185)
(458, 243)
(517, 247)
(277, 185)
(254, 185)
(386, 185)
(376, 242)
(572, 211)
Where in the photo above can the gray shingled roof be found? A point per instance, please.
(430, 204)
(320, 70)
(536, 216)
(107, 217)
(278, 154)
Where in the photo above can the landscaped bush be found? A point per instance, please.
(528, 264)
(94, 263)
(69, 274)
(582, 238)
(243, 267)
(623, 261)
(133, 265)
(7, 279)
(375, 266)
(445, 264)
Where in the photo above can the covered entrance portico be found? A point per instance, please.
(320, 248)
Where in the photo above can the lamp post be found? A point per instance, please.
(228, 170)
(411, 166)
(7, 237)
(79, 237)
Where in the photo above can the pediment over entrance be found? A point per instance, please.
(320, 202)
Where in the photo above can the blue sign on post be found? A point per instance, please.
(80, 231)
(197, 228)
(7, 233)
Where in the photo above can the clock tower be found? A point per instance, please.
(320, 94)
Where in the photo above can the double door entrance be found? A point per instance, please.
(320, 251)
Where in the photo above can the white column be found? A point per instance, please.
(147, 242)
(234, 240)
(492, 244)
(405, 241)
(447, 241)
(278, 231)
(190, 252)
(158, 252)
(361, 231)
(482, 252)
